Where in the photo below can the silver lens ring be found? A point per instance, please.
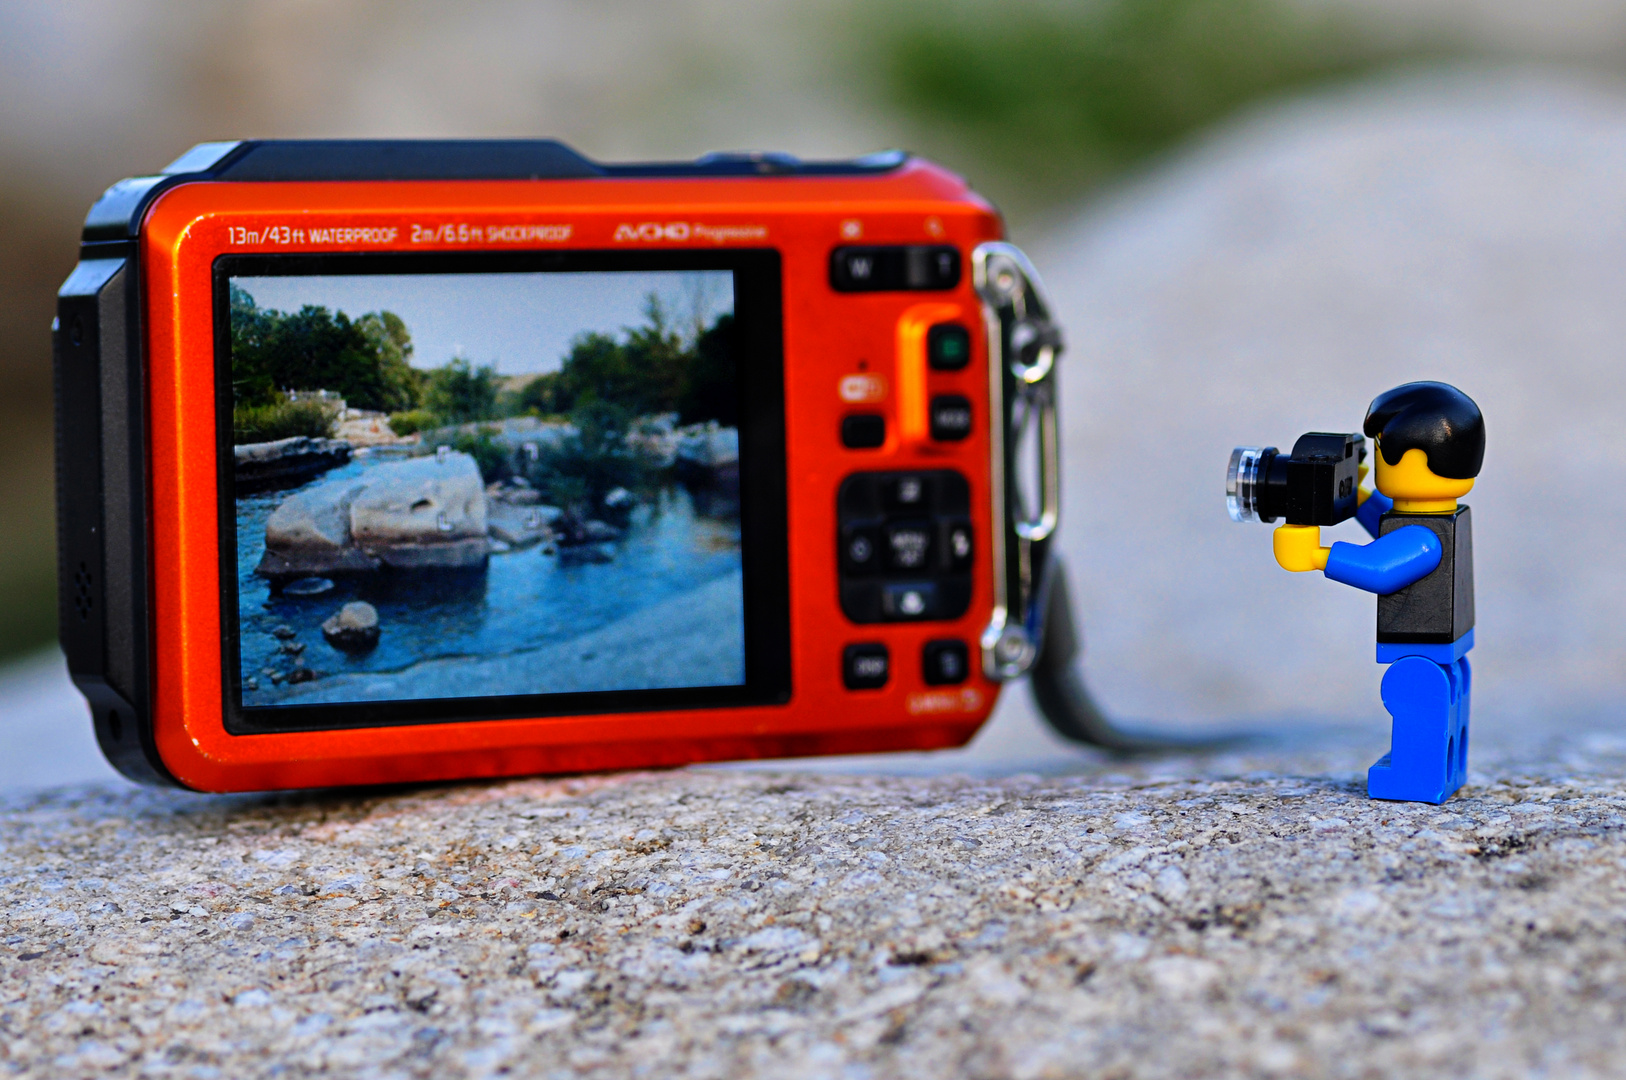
(1242, 483)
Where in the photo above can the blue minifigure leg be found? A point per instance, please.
(1428, 753)
(1466, 682)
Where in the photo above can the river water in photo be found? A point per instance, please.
(524, 600)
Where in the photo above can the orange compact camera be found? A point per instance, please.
(402, 461)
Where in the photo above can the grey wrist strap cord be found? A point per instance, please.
(1032, 630)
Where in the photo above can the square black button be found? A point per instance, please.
(950, 417)
(864, 432)
(948, 347)
(865, 667)
(909, 546)
(945, 662)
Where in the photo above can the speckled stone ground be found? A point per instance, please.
(1193, 918)
(1235, 916)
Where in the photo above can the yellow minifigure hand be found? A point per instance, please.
(1298, 548)
(1362, 493)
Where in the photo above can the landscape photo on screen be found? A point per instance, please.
(485, 484)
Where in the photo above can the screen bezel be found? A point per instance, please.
(765, 549)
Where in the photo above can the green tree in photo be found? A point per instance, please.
(541, 396)
(366, 361)
(460, 392)
(652, 369)
(392, 344)
(711, 383)
(595, 369)
(656, 356)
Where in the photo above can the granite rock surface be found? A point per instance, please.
(1200, 917)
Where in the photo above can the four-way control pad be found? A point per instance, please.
(904, 546)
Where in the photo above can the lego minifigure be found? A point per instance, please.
(1430, 445)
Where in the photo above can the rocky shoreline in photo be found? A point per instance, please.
(696, 638)
(434, 511)
(411, 512)
(286, 463)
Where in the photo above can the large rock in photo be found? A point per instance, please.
(429, 511)
(425, 512)
(309, 534)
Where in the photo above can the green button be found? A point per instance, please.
(948, 347)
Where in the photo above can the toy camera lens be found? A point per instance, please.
(1242, 483)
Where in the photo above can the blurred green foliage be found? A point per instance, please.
(27, 540)
(579, 472)
(494, 460)
(36, 229)
(283, 419)
(412, 421)
(1044, 100)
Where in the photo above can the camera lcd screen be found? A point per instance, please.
(470, 488)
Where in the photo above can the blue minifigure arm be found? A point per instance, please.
(1389, 563)
(1371, 511)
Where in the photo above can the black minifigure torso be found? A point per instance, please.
(1439, 608)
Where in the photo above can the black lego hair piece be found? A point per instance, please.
(1434, 417)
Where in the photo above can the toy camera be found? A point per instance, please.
(1314, 485)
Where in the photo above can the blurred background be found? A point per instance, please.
(1254, 214)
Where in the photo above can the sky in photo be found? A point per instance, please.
(520, 323)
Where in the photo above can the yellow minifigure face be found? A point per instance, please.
(1414, 487)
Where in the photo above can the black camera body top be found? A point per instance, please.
(1317, 484)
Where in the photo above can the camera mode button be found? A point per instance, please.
(865, 667)
(915, 600)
